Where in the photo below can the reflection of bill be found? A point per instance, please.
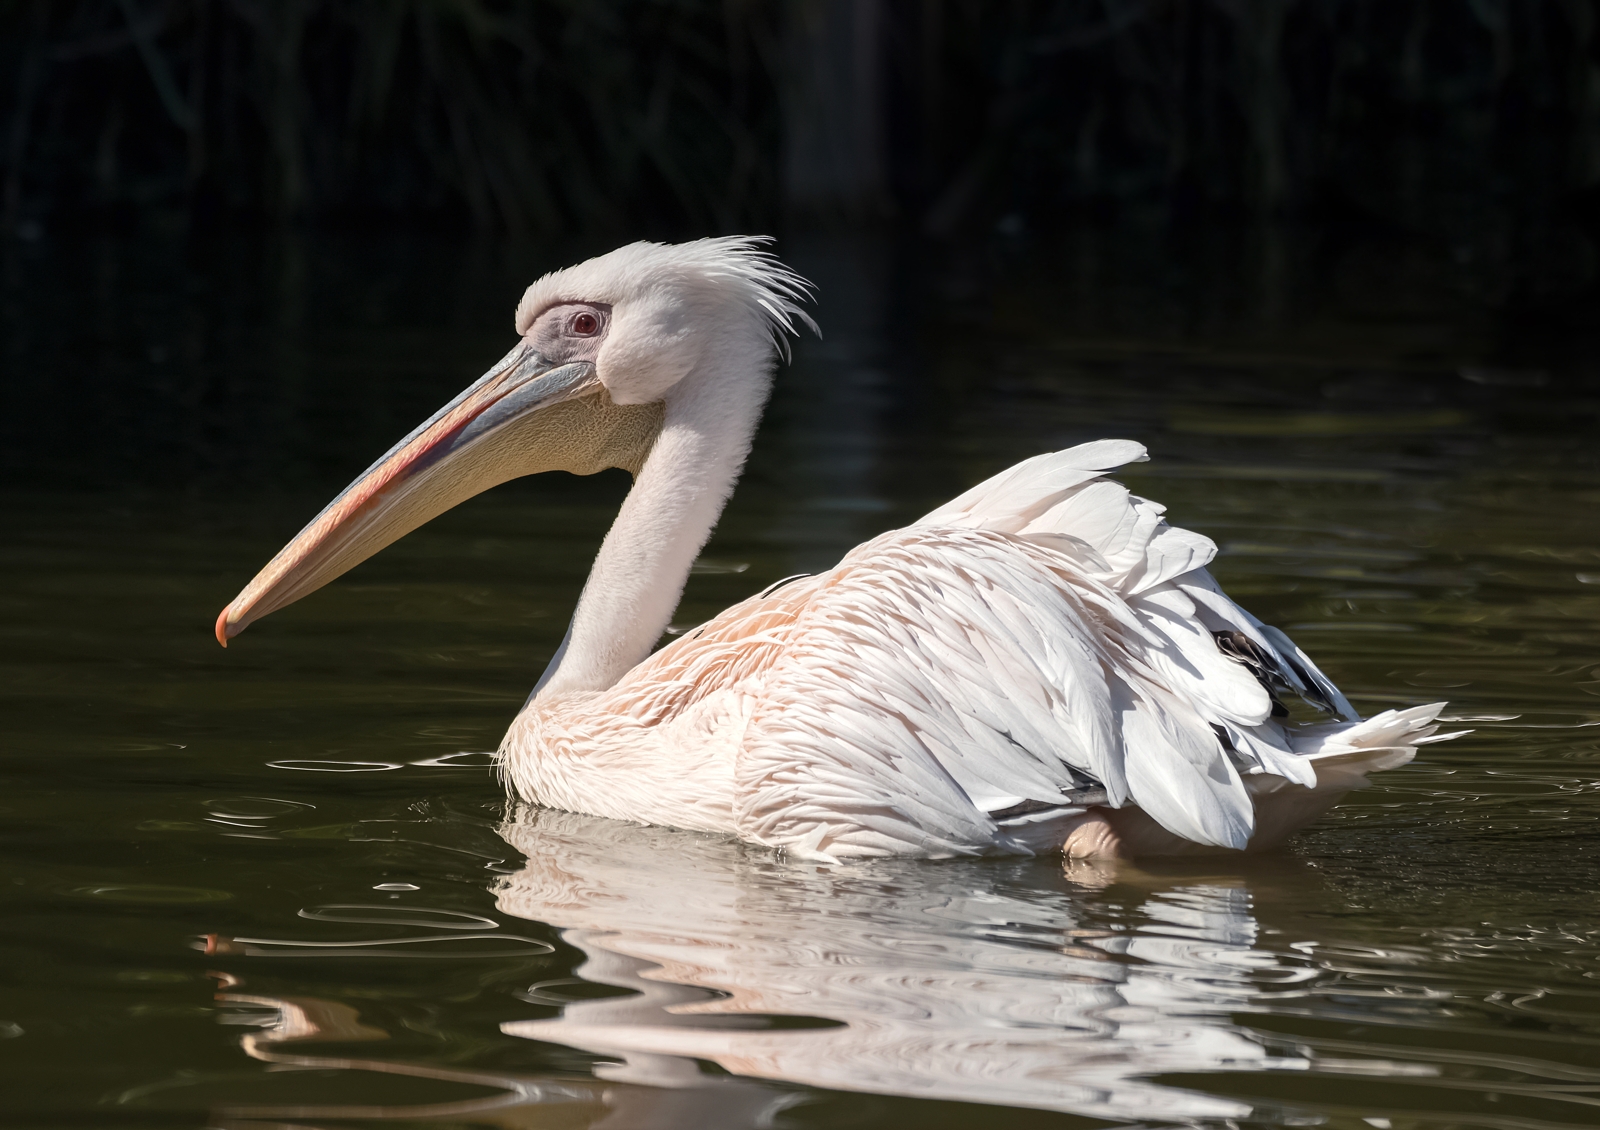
(934, 981)
(289, 1024)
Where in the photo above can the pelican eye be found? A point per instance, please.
(584, 324)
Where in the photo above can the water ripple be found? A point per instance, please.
(336, 766)
(399, 916)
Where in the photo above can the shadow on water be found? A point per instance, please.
(267, 887)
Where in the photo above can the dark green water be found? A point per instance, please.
(266, 887)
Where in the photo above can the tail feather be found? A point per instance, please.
(1381, 731)
(1384, 741)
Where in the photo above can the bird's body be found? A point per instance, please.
(1043, 663)
(978, 681)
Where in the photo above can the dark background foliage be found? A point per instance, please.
(231, 231)
(1468, 118)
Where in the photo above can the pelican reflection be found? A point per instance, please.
(969, 981)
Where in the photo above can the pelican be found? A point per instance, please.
(1041, 664)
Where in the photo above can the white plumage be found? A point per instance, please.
(1041, 663)
(1044, 638)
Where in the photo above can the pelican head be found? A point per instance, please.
(606, 348)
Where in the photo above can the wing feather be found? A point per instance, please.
(1177, 776)
(1008, 691)
(1191, 665)
(1218, 613)
(1014, 497)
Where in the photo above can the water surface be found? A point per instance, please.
(277, 885)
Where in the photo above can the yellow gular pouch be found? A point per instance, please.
(584, 435)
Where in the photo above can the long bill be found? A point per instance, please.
(524, 416)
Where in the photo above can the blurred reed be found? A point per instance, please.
(673, 115)
(525, 116)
